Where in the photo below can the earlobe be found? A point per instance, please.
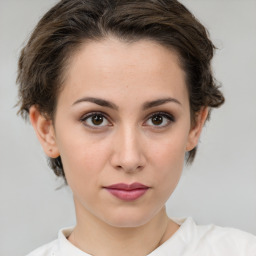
(196, 130)
(45, 132)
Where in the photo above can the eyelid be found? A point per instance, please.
(170, 117)
(90, 114)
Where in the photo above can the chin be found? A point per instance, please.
(127, 223)
(128, 219)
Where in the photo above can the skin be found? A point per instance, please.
(126, 146)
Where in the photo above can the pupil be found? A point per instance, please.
(97, 120)
(157, 120)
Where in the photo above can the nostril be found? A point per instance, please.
(129, 169)
(119, 167)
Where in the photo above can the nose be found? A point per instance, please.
(128, 153)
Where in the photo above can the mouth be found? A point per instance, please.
(127, 192)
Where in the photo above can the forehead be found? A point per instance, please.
(112, 52)
(111, 67)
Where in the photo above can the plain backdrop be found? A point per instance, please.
(219, 188)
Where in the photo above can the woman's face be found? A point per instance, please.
(123, 117)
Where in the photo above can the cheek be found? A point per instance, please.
(170, 151)
(83, 158)
(83, 166)
(168, 159)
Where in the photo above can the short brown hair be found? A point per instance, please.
(66, 26)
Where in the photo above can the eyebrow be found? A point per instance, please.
(100, 102)
(108, 104)
(159, 102)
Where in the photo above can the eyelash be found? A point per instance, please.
(91, 114)
(169, 119)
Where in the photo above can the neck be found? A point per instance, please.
(96, 237)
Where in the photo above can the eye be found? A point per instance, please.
(95, 120)
(160, 119)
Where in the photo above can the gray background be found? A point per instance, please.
(219, 188)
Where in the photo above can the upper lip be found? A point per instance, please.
(123, 186)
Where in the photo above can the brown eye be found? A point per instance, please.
(157, 120)
(95, 120)
(160, 119)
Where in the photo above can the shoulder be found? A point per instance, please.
(206, 240)
(219, 240)
(46, 250)
(58, 247)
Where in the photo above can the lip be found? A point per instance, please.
(127, 192)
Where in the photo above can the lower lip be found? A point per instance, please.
(127, 195)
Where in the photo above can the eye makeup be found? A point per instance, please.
(99, 120)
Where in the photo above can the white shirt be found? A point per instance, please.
(189, 240)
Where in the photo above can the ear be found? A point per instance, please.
(195, 131)
(45, 132)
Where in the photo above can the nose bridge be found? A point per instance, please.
(128, 152)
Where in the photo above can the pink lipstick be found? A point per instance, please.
(127, 192)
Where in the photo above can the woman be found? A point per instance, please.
(118, 93)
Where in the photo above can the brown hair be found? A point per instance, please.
(65, 27)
